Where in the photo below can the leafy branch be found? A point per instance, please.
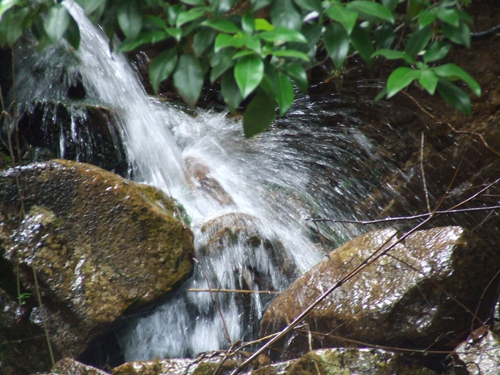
(260, 50)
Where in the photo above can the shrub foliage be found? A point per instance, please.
(261, 49)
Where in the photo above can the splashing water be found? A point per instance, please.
(256, 192)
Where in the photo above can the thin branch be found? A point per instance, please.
(423, 174)
(413, 217)
(368, 261)
(43, 316)
(479, 135)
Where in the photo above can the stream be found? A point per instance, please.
(261, 191)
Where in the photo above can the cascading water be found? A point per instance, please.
(247, 199)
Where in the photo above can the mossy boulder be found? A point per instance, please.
(422, 295)
(98, 245)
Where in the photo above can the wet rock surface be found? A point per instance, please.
(421, 295)
(98, 245)
(73, 130)
(205, 364)
(206, 182)
(68, 366)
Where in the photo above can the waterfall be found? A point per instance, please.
(263, 188)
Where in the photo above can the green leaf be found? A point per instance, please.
(284, 14)
(90, 5)
(248, 73)
(429, 80)
(188, 78)
(299, 75)
(188, 16)
(460, 34)
(418, 41)
(343, 15)
(282, 35)
(425, 18)
(285, 93)
(230, 91)
(72, 34)
(453, 72)
(194, 2)
(248, 23)
(253, 43)
(290, 53)
(399, 79)
(371, 9)
(414, 8)
(337, 43)
(57, 22)
(258, 115)
(224, 41)
(221, 7)
(262, 24)
(259, 4)
(202, 39)
(221, 62)
(5, 5)
(361, 40)
(380, 95)
(447, 15)
(457, 97)
(390, 54)
(152, 22)
(436, 51)
(173, 11)
(143, 38)
(242, 53)
(222, 25)
(390, 4)
(310, 5)
(161, 67)
(129, 19)
(384, 36)
(175, 33)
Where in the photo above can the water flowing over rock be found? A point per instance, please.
(422, 295)
(98, 244)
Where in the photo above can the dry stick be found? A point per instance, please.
(43, 316)
(243, 291)
(323, 242)
(479, 135)
(423, 173)
(481, 298)
(198, 260)
(371, 259)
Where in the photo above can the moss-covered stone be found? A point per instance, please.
(99, 244)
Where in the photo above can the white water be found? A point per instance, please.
(265, 177)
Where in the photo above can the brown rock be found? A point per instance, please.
(420, 295)
(207, 183)
(99, 244)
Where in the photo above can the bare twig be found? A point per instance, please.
(382, 250)
(423, 174)
(42, 315)
(413, 217)
(479, 135)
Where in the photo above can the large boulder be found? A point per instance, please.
(423, 294)
(95, 244)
